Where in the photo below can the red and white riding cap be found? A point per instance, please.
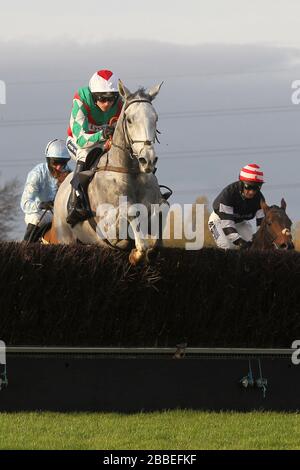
(252, 173)
(104, 81)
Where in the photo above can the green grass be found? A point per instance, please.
(168, 430)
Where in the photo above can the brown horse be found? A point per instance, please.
(275, 230)
(49, 237)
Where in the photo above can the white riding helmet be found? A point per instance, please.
(104, 81)
(57, 150)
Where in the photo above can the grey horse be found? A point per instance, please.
(125, 172)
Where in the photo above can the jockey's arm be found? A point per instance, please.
(30, 199)
(79, 126)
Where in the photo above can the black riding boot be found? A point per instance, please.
(30, 233)
(77, 212)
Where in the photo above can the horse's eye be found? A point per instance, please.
(269, 222)
(129, 121)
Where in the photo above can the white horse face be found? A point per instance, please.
(141, 119)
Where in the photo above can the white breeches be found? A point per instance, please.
(244, 229)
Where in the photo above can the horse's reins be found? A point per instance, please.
(125, 129)
(272, 239)
(271, 236)
(129, 140)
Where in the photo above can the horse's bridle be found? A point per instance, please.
(129, 140)
(272, 239)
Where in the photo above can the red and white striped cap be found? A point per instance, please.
(103, 81)
(252, 173)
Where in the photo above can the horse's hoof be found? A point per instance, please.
(135, 257)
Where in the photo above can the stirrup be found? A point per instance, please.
(167, 194)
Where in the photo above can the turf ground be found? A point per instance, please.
(168, 430)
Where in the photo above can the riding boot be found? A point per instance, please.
(77, 212)
(29, 236)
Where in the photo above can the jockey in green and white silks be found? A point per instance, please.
(42, 184)
(93, 109)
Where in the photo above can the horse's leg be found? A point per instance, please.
(157, 222)
(157, 210)
(147, 242)
(141, 240)
(138, 253)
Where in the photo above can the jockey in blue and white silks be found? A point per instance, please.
(42, 184)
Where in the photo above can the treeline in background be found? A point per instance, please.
(10, 194)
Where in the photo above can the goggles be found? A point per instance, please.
(110, 98)
(58, 161)
(252, 187)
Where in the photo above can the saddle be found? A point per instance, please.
(80, 182)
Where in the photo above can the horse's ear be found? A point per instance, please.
(264, 206)
(153, 92)
(124, 92)
(283, 204)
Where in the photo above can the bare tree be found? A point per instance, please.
(9, 200)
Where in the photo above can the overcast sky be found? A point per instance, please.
(227, 67)
(176, 21)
